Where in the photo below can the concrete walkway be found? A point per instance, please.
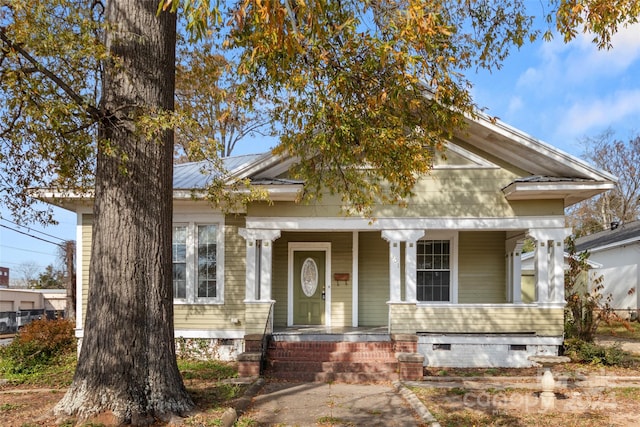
(313, 404)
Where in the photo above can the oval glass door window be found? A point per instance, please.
(309, 277)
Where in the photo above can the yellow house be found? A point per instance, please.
(441, 273)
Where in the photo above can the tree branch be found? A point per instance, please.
(91, 110)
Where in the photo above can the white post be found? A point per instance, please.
(266, 261)
(516, 272)
(266, 237)
(250, 270)
(549, 261)
(395, 237)
(355, 279)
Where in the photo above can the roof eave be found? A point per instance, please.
(570, 192)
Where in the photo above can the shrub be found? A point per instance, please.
(588, 352)
(37, 345)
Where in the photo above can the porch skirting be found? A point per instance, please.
(485, 350)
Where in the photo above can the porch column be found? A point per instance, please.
(266, 262)
(395, 238)
(258, 263)
(549, 262)
(513, 249)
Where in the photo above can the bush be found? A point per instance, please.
(39, 344)
(588, 352)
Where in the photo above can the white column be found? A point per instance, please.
(258, 279)
(395, 238)
(266, 262)
(513, 249)
(355, 255)
(516, 272)
(549, 261)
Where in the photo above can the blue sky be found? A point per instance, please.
(556, 92)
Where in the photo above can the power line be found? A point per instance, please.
(26, 250)
(30, 235)
(33, 230)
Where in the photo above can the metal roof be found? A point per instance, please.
(623, 233)
(198, 175)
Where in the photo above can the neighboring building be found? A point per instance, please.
(617, 250)
(4, 277)
(442, 272)
(19, 306)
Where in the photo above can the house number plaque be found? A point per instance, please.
(309, 277)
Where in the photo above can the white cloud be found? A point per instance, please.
(568, 64)
(587, 115)
(515, 105)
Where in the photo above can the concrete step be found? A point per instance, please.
(331, 367)
(345, 377)
(336, 356)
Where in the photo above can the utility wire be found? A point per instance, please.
(32, 230)
(27, 234)
(26, 250)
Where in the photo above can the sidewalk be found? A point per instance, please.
(313, 404)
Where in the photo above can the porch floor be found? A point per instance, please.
(328, 333)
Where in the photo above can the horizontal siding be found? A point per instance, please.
(489, 320)
(87, 223)
(452, 193)
(481, 274)
(373, 286)
(218, 316)
(195, 316)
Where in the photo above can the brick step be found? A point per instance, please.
(345, 377)
(336, 356)
(331, 346)
(328, 367)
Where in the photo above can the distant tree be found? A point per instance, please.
(622, 204)
(27, 274)
(216, 103)
(51, 278)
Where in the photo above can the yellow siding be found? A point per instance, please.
(481, 274)
(218, 316)
(341, 262)
(452, 193)
(87, 222)
(493, 319)
(196, 316)
(373, 287)
(528, 287)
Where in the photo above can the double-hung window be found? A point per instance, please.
(435, 275)
(196, 253)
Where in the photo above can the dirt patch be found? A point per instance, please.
(21, 406)
(521, 407)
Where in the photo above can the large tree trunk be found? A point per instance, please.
(127, 367)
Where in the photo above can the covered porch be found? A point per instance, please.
(374, 276)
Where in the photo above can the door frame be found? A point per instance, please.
(310, 246)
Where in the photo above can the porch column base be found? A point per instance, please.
(249, 364)
(410, 366)
(405, 343)
(253, 343)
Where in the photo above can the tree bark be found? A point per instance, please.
(127, 366)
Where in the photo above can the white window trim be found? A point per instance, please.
(452, 237)
(192, 222)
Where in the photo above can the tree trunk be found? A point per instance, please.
(127, 367)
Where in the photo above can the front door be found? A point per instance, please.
(309, 287)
